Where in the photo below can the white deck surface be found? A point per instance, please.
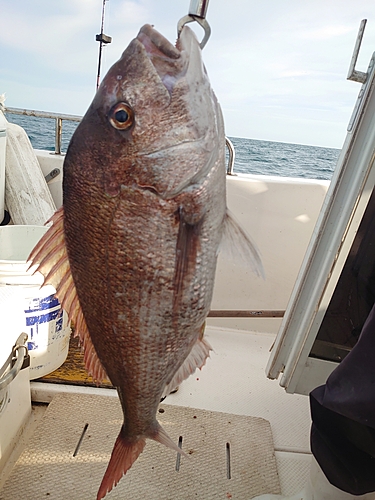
(234, 381)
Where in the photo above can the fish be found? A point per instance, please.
(132, 252)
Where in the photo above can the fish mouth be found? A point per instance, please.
(156, 44)
(170, 61)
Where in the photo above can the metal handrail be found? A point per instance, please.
(232, 155)
(58, 117)
(246, 313)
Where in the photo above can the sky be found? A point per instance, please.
(278, 67)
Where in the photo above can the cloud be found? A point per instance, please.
(326, 32)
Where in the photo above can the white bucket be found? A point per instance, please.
(44, 322)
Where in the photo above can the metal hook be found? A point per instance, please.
(197, 12)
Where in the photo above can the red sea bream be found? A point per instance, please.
(132, 252)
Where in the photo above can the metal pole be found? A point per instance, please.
(58, 135)
(100, 48)
(198, 8)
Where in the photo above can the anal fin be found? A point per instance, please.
(196, 359)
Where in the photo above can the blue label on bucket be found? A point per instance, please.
(40, 312)
(49, 307)
(32, 342)
(42, 318)
(59, 324)
(41, 304)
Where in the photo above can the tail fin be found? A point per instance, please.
(124, 454)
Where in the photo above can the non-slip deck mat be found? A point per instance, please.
(231, 456)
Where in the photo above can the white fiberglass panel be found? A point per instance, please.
(333, 240)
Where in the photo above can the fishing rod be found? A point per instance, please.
(103, 40)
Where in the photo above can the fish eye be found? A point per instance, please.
(121, 116)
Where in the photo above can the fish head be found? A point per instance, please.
(153, 122)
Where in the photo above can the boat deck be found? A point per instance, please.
(233, 381)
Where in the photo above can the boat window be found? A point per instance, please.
(353, 297)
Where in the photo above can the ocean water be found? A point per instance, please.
(252, 156)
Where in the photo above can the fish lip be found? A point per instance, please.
(156, 44)
(171, 62)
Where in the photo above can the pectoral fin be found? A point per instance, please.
(238, 246)
(186, 250)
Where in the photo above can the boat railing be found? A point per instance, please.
(232, 155)
(59, 117)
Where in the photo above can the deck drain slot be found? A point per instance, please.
(178, 459)
(227, 452)
(80, 440)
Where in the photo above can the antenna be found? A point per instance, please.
(103, 40)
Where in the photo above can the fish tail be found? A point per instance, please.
(124, 454)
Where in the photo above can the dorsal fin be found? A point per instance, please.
(50, 257)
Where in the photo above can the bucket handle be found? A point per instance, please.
(17, 358)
